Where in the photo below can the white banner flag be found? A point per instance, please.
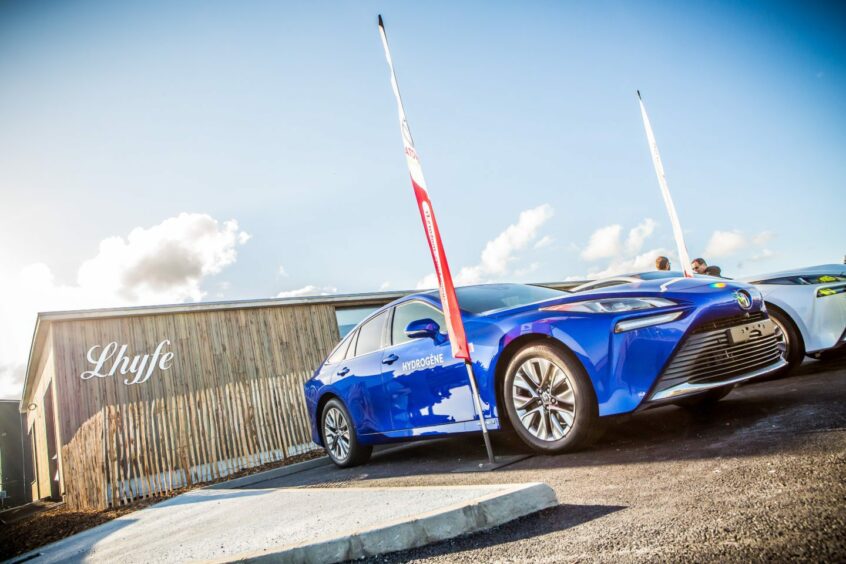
(665, 191)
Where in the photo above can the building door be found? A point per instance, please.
(52, 450)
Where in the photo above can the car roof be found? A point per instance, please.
(819, 269)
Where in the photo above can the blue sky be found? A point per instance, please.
(120, 116)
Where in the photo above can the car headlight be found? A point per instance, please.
(830, 291)
(611, 305)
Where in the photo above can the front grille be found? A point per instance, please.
(727, 322)
(708, 356)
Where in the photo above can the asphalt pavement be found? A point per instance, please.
(759, 477)
(762, 476)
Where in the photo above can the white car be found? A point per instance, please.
(807, 304)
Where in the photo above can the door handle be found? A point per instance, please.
(343, 371)
(390, 359)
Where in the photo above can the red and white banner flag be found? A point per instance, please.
(665, 191)
(455, 326)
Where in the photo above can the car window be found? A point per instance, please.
(490, 297)
(607, 284)
(340, 351)
(370, 335)
(412, 311)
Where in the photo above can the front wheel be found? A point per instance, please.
(549, 400)
(339, 437)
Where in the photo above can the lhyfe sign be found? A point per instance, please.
(138, 368)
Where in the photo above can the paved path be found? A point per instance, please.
(313, 525)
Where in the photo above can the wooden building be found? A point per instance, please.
(134, 402)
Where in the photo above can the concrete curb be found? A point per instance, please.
(270, 474)
(471, 516)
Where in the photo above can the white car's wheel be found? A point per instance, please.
(794, 347)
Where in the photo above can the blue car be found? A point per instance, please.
(549, 364)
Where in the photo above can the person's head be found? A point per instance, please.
(714, 271)
(699, 265)
(662, 263)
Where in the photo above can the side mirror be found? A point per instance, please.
(422, 328)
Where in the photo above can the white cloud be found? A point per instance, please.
(638, 235)
(603, 243)
(606, 243)
(385, 285)
(282, 272)
(544, 241)
(428, 282)
(521, 272)
(500, 251)
(165, 263)
(763, 238)
(723, 243)
(310, 290)
(628, 264)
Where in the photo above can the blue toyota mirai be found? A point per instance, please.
(550, 364)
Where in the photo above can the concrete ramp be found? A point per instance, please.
(298, 525)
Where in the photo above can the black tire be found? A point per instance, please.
(339, 436)
(544, 414)
(794, 351)
(704, 401)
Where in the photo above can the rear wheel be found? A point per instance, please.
(794, 347)
(339, 437)
(549, 400)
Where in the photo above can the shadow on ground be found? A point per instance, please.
(551, 520)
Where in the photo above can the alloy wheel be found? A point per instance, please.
(336, 431)
(544, 399)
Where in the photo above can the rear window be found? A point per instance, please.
(340, 351)
(490, 297)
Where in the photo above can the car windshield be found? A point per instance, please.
(658, 274)
(490, 297)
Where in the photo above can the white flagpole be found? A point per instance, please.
(665, 192)
(452, 315)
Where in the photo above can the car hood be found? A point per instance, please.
(665, 287)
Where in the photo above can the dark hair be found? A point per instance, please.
(714, 271)
(662, 263)
(700, 261)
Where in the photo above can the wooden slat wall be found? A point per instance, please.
(232, 398)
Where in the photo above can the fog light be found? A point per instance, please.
(640, 322)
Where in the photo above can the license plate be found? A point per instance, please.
(743, 333)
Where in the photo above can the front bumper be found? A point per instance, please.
(721, 353)
(689, 389)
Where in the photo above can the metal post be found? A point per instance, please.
(481, 413)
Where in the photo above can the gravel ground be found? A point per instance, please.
(759, 477)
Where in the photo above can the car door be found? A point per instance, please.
(425, 385)
(358, 377)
